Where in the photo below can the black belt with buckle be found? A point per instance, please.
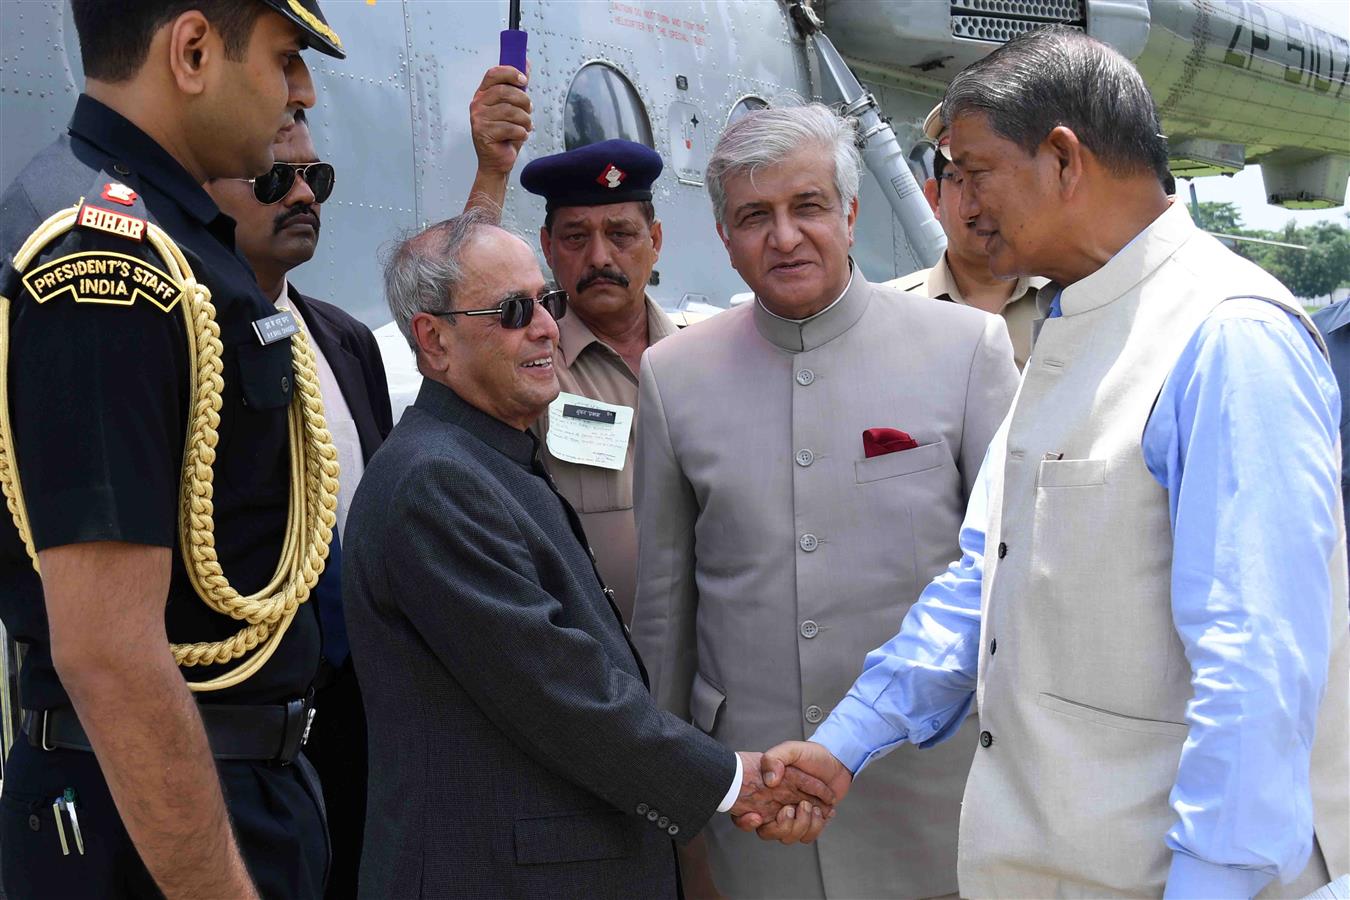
(271, 733)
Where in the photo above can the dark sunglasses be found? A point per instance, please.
(516, 312)
(277, 183)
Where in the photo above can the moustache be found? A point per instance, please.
(611, 275)
(294, 212)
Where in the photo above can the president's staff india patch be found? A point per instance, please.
(98, 276)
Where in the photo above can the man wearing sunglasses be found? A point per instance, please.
(278, 219)
(515, 749)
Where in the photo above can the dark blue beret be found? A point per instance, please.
(614, 171)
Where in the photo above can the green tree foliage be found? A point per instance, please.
(1222, 218)
(1315, 272)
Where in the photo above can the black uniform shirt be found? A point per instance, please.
(99, 400)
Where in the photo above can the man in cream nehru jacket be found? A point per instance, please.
(802, 465)
(1150, 613)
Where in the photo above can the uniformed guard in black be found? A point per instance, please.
(98, 400)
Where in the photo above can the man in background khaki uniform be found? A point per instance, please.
(962, 274)
(601, 238)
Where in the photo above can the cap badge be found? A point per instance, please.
(119, 193)
(612, 177)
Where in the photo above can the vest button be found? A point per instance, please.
(1002, 549)
(663, 822)
(652, 815)
(805, 377)
(814, 714)
(993, 646)
(34, 822)
(986, 739)
(809, 629)
(805, 457)
(673, 830)
(808, 542)
(642, 809)
(121, 169)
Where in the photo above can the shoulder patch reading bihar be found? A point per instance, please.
(102, 276)
(126, 219)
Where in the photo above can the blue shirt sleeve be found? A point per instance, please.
(1243, 437)
(919, 685)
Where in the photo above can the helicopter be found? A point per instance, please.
(1237, 82)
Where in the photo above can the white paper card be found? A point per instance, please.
(588, 432)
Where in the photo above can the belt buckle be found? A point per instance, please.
(309, 723)
(299, 718)
(43, 732)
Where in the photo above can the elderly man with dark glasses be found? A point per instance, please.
(501, 681)
(518, 311)
(277, 229)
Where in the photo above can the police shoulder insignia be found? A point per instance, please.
(100, 276)
(112, 207)
(119, 193)
(118, 223)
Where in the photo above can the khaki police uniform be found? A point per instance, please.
(600, 174)
(1019, 312)
(589, 367)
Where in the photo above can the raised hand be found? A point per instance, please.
(784, 763)
(499, 119)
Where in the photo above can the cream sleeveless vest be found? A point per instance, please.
(1083, 682)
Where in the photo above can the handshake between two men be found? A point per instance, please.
(789, 792)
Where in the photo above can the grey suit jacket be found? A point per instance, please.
(514, 748)
(773, 556)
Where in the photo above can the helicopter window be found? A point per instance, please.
(603, 104)
(746, 105)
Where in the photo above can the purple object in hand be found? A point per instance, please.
(513, 48)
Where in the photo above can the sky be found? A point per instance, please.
(1245, 189)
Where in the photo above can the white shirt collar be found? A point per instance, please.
(283, 294)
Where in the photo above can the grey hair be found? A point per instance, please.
(768, 136)
(1059, 76)
(423, 271)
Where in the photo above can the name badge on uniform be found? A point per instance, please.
(271, 329)
(588, 432)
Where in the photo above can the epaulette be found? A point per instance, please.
(106, 276)
(111, 277)
(112, 207)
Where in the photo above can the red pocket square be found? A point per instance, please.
(880, 441)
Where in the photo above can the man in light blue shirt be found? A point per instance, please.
(1150, 635)
(1332, 322)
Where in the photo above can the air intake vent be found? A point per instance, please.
(998, 21)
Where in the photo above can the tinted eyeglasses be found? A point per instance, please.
(516, 312)
(277, 183)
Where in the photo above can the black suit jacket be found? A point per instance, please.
(354, 355)
(337, 737)
(514, 748)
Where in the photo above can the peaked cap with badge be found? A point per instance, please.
(614, 171)
(309, 17)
